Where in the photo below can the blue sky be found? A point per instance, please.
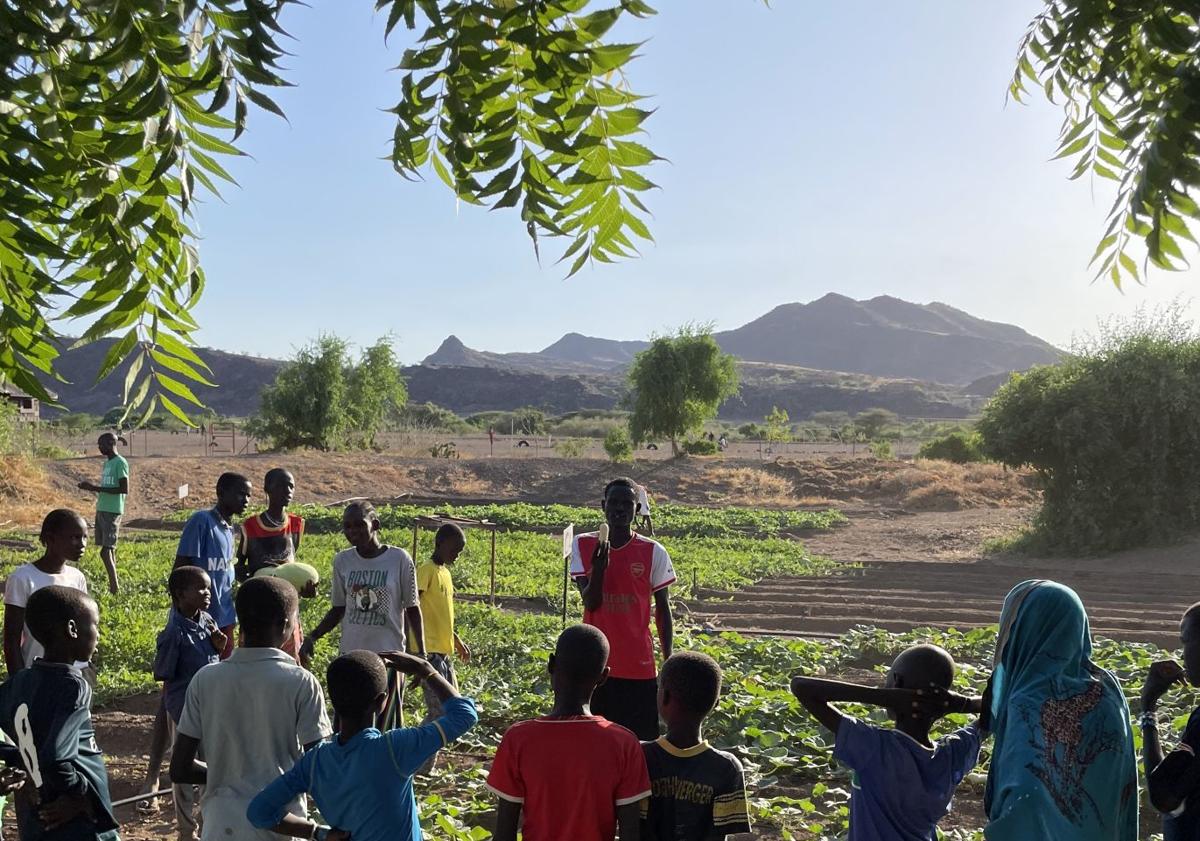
(858, 147)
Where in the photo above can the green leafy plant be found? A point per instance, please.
(700, 447)
(678, 383)
(618, 445)
(571, 447)
(1125, 73)
(1110, 433)
(882, 449)
(959, 447)
(778, 426)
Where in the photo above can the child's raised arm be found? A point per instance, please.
(816, 694)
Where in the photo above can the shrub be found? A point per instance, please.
(618, 445)
(571, 447)
(1112, 433)
(882, 449)
(700, 447)
(958, 447)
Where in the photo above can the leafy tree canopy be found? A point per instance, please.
(325, 400)
(678, 383)
(778, 425)
(1128, 75)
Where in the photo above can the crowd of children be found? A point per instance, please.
(253, 743)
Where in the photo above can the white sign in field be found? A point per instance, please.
(183, 491)
(568, 540)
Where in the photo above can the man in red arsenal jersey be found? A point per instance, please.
(617, 580)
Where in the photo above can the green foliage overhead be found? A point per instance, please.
(1127, 76)
(678, 383)
(115, 116)
(1112, 433)
(325, 400)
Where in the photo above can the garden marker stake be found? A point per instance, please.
(26, 746)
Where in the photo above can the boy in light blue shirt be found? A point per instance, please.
(903, 780)
(361, 779)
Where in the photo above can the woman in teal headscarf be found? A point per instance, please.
(1063, 766)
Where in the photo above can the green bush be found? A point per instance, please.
(618, 445)
(882, 449)
(1112, 433)
(958, 447)
(700, 447)
(571, 447)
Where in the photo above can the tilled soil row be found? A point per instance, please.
(900, 596)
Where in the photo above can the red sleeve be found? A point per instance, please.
(634, 784)
(581, 555)
(505, 777)
(297, 523)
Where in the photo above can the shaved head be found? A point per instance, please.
(922, 666)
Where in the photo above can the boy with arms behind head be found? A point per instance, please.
(361, 780)
(903, 781)
(699, 792)
(1173, 780)
(252, 713)
(51, 702)
(574, 775)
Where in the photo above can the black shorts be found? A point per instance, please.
(631, 703)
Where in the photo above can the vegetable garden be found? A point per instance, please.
(796, 790)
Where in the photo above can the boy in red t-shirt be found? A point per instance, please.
(618, 579)
(573, 774)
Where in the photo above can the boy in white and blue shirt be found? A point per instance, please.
(361, 779)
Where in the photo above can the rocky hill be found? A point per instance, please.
(833, 354)
(882, 337)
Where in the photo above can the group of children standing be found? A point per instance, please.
(253, 742)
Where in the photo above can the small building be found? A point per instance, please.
(28, 407)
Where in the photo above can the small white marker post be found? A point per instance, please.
(183, 491)
(568, 537)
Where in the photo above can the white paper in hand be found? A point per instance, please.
(602, 537)
(26, 746)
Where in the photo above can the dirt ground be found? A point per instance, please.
(841, 481)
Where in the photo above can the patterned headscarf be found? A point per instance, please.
(1063, 767)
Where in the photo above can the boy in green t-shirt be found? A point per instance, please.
(110, 503)
(436, 589)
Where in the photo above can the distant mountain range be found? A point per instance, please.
(882, 337)
(833, 354)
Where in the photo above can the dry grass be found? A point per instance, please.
(26, 494)
(747, 486)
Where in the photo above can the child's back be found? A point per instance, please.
(569, 773)
(901, 787)
(252, 713)
(365, 785)
(60, 716)
(698, 793)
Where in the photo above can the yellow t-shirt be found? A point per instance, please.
(437, 607)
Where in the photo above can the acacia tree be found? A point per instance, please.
(678, 383)
(778, 425)
(325, 400)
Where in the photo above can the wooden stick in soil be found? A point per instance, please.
(149, 795)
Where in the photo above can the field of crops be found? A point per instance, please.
(797, 792)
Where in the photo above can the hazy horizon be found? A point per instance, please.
(863, 149)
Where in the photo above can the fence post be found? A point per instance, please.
(493, 591)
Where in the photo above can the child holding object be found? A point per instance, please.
(903, 780)
(189, 642)
(45, 709)
(361, 779)
(573, 775)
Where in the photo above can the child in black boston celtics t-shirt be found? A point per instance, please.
(698, 792)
